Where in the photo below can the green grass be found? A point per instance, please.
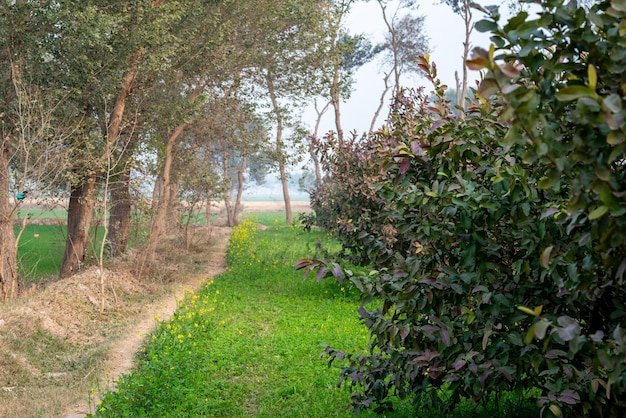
(40, 251)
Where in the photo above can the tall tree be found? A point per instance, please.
(128, 37)
(26, 117)
(463, 9)
(404, 42)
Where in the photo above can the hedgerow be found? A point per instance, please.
(500, 245)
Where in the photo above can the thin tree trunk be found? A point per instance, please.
(467, 18)
(335, 101)
(79, 216)
(279, 149)
(314, 143)
(240, 184)
(9, 281)
(158, 223)
(228, 207)
(381, 102)
(173, 208)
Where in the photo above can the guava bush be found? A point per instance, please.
(499, 250)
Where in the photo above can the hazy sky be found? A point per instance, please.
(446, 31)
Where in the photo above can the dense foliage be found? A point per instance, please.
(499, 244)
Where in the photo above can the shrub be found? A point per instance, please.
(507, 271)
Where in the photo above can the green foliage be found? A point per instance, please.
(499, 248)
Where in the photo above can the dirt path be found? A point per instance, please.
(120, 357)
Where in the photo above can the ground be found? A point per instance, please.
(57, 345)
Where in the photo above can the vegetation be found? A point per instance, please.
(103, 100)
(496, 239)
(248, 343)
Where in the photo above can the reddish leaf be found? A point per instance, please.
(486, 339)
(405, 165)
(487, 88)
(445, 337)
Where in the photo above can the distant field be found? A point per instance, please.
(42, 243)
(248, 206)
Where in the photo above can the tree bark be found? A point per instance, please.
(240, 184)
(79, 216)
(120, 213)
(9, 281)
(381, 102)
(158, 223)
(314, 142)
(173, 208)
(335, 100)
(228, 206)
(467, 19)
(157, 228)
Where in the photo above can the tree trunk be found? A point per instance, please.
(79, 216)
(467, 18)
(120, 213)
(9, 281)
(314, 143)
(381, 102)
(279, 147)
(228, 207)
(157, 228)
(158, 223)
(173, 208)
(82, 196)
(335, 101)
(240, 181)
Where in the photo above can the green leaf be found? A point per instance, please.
(593, 77)
(598, 212)
(550, 181)
(485, 26)
(544, 260)
(574, 93)
(615, 138)
(530, 335)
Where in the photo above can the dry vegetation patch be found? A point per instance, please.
(56, 344)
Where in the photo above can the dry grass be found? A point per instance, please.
(56, 345)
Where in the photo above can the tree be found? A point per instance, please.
(284, 66)
(30, 149)
(124, 35)
(499, 255)
(405, 41)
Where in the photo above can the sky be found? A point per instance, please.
(446, 31)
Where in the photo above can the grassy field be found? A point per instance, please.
(249, 343)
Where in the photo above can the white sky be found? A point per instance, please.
(446, 31)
